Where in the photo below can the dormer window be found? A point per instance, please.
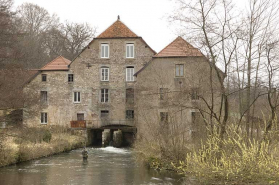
(129, 50)
(104, 51)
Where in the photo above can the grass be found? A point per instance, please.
(31, 143)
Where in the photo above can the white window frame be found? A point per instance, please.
(130, 53)
(103, 78)
(130, 71)
(77, 99)
(44, 118)
(103, 50)
(180, 70)
(106, 94)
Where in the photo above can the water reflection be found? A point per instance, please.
(103, 166)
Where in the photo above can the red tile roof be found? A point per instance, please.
(116, 30)
(58, 64)
(179, 48)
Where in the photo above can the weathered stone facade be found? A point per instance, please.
(172, 105)
(86, 69)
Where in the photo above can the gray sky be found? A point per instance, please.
(147, 18)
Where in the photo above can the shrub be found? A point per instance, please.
(238, 160)
(47, 136)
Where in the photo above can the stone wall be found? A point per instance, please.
(177, 101)
(61, 109)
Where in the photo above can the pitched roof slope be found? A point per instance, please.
(117, 29)
(179, 48)
(58, 64)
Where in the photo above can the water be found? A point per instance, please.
(104, 166)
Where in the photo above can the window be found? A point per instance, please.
(104, 114)
(104, 51)
(80, 116)
(194, 94)
(104, 95)
(130, 74)
(104, 74)
(43, 118)
(196, 116)
(44, 77)
(76, 97)
(164, 117)
(130, 95)
(44, 96)
(70, 77)
(129, 114)
(129, 50)
(163, 93)
(179, 70)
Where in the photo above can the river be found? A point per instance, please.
(104, 166)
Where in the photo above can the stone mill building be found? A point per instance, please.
(99, 90)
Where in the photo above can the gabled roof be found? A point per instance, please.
(58, 64)
(179, 48)
(117, 30)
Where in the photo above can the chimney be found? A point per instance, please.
(118, 18)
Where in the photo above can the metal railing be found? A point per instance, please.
(101, 123)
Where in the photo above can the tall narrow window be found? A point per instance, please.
(44, 96)
(164, 117)
(163, 93)
(70, 77)
(130, 95)
(104, 95)
(76, 97)
(179, 70)
(129, 50)
(43, 118)
(104, 74)
(194, 94)
(44, 77)
(104, 51)
(130, 74)
(129, 114)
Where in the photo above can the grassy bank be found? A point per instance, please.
(239, 161)
(23, 144)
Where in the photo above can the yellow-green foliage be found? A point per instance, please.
(237, 161)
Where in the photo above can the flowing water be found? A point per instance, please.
(104, 166)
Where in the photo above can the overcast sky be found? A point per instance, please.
(147, 18)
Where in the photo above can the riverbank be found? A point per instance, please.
(23, 144)
(239, 161)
